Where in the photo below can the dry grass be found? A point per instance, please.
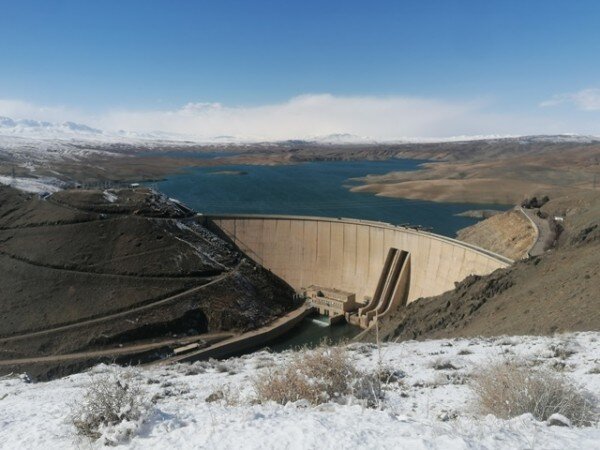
(318, 376)
(509, 388)
(109, 400)
(443, 364)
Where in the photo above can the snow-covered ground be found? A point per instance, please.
(428, 408)
(33, 185)
(110, 197)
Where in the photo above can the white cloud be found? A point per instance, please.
(586, 100)
(301, 117)
(18, 109)
(313, 115)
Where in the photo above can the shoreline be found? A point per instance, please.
(478, 172)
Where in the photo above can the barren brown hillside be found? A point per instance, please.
(510, 234)
(83, 269)
(482, 178)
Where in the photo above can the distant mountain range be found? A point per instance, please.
(29, 127)
(35, 129)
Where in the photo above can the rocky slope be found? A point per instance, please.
(555, 292)
(82, 270)
(510, 234)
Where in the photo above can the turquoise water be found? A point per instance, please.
(314, 188)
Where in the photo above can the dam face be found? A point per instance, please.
(350, 254)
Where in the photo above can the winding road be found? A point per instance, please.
(542, 228)
(209, 338)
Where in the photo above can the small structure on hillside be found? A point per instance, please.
(332, 303)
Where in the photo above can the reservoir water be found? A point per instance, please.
(316, 189)
(313, 188)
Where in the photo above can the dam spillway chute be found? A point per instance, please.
(391, 292)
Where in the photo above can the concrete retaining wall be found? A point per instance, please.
(349, 254)
(247, 341)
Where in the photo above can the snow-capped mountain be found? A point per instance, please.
(27, 140)
(554, 139)
(33, 133)
(36, 128)
(344, 138)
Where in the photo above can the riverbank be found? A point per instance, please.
(494, 191)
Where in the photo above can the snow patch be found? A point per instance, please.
(32, 185)
(110, 196)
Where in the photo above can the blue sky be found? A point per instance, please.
(538, 59)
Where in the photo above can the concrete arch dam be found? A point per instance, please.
(356, 256)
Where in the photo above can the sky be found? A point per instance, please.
(296, 69)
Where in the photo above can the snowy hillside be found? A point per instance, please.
(32, 185)
(343, 138)
(36, 129)
(27, 140)
(429, 403)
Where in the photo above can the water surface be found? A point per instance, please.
(311, 333)
(313, 188)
